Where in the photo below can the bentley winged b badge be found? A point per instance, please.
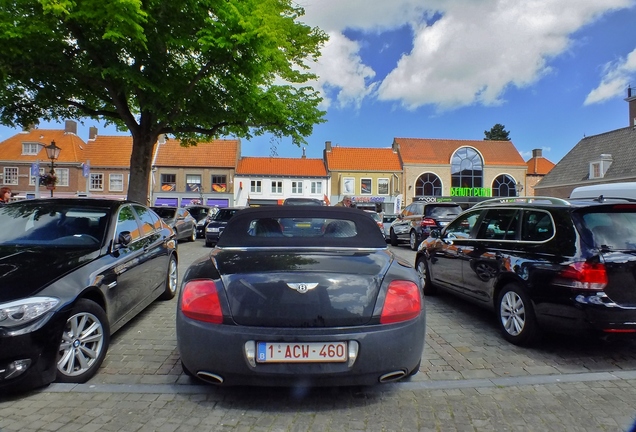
(302, 287)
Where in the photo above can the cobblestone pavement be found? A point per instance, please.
(470, 380)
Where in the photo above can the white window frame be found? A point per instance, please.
(112, 182)
(297, 187)
(31, 148)
(10, 175)
(194, 179)
(316, 187)
(388, 186)
(256, 186)
(277, 187)
(62, 175)
(93, 183)
(370, 181)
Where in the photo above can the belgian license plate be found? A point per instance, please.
(309, 352)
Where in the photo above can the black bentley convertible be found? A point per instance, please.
(301, 295)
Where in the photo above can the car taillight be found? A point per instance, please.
(584, 275)
(200, 301)
(428, 222)
(402, 303)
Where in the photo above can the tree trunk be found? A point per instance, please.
(140, 167)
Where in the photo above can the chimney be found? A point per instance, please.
(328, 146)
(304, 156)
(70, 126)
(537, 153)
(161, 139)
(92, 133)
(631, 100)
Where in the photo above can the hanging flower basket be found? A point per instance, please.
(49, 180)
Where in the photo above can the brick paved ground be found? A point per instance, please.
(470, 380)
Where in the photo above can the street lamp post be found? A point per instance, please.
(52, 152)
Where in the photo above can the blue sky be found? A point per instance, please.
(551, 71)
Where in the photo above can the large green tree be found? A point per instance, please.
(191, 69)
(497, 133)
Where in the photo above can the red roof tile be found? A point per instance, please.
(440, 151)
(273, 166)
(539, 166)
(72, 146)
(217, 153)
(362, 159)
(109, 151)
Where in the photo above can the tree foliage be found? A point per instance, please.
(192, 69)
(497, 133)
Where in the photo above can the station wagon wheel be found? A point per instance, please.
(422, 269)
(413, 240)
(193, 237)
(516, 316)
(171, 280)
(84, 343)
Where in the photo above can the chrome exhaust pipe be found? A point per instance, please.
(392, 376)
(210, 377)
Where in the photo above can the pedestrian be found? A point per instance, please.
(346, 202)
(5, 195)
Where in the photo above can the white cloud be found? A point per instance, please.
(340, 70)
(615, 79)
(471, 53)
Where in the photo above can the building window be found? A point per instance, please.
(30, 148)
(316, 187)
(255, 186)
(97, 182)
(277, 187)
(32, 179)
(297, 187)
(168, 182)
(62, 176)
(467, 169)
(504, 186)
(219, 183)
(428, 185)
(10, 175)
(365, 186)
(383, 186)
(116, 182)
(193, 183)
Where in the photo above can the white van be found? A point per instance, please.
(608, 190)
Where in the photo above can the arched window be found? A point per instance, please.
(467, 169)
(504, 186)
(428, 185)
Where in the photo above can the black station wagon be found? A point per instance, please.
(540, 263)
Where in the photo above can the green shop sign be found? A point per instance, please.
(471, 192)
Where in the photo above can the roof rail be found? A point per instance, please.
(603, 198)
(523, 200)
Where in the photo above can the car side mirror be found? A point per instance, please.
(124, 239)
(435, 234)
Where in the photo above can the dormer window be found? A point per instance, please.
(31, 148)
(599, 167)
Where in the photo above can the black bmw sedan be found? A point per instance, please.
(301, 295)
(72, 272)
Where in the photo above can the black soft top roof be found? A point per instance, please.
(237, 231)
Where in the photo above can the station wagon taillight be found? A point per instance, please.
(402, 303)
(427, 222)
(584, 275)
(200, 301)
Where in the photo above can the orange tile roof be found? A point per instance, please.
(109, 151)
(72, 146)
(217, 153)
(362, 159)
(440, 151)
(539, 166)
(303, 167)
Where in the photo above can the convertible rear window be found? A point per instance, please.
(302, 227)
